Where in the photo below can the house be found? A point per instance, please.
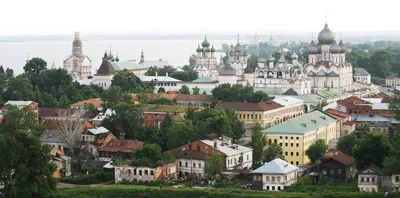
(191, 162)
(375, 123)
(362, 76)
(393, 80)
(121, 148)
(354, 105)
(274, 175)
(344, 124)
(134, 174)
(337, 166)
(396, 183)
(385, 96)
(62, 162)
(154, 113)
(95, 138)
(81, 104)
(54, 138)
(20, 104)
(194, 100)
(266, 113)
(369, 179)
(297, 134)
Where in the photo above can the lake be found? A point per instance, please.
(176, 52)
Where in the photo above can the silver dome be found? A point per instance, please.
(335, 48)
(326, 36)
(343, 47)
(312, 48)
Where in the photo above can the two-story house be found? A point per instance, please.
(135, 174)
(274, 175)
(120, 148)
(154, 114)
(95, 138)
(369, 179)
(337, 166)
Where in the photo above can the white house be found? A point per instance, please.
(369, 179)
(362, 76)
(274, 175)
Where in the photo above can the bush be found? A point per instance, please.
(95, 176)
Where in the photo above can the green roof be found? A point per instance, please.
(290, 92)
(301, 124)
(310, 98)
(327, 95)
(205, 79)
(389, 93)
(129, 65)
(165, 108)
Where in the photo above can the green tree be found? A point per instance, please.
(184, 90)
(2, 72)
(9, 72)
(186, 76)
(18, 88)
(20, 119)
(161, 90)
(259, 96)
(258, 142)
(272, 152)
(395, 103)
(161, 100)
(34, 67)
(179, 134)
(192, 60)
(126, 80)
(204, 92)
(162, 71)
(372, 149)
(196, 90)
(25, 166)
(316, 150)
(382, 61)
(126, 122)
(347, 143)
(252, 62)
(213, 165)
(391, 163)
(112, 96)
(151, 156)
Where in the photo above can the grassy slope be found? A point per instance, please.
(114, 191)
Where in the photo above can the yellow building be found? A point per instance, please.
(297, 134)
(265, 113)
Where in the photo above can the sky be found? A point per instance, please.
(61, 17)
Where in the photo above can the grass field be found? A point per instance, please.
(126, 191)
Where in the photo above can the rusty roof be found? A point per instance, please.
(340, 157)
(122, 146)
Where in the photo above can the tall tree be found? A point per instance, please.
(347, 143)
(2, 72)
(25, 169)
(192, 60)
(18, 88)
(34, 67)
(196, 90)
(316, 150)
(112, 96)
(391, 163)
(20, 119)
(213, 165)
(126, 80)
(258, 142)
(184, 90)
(272, 152)
(9, 72)
(382, 62)
(372, 149)
(126, 122)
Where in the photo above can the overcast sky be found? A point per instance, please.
(46, 17)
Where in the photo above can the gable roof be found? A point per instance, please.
(194, 97)
(52, 136)
(360, 72)
(337, 114)
(290, 92)
(98, 130)
(158, 79)
(248, 106)
(375, 169)
(122, 146)
(302, 124)
(276, 166)
(18, 103)
(226, 147)
(339, 157)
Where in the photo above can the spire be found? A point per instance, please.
(238, 35)
(326, 16)
(141, 57)
(105, 55)
(53, 66)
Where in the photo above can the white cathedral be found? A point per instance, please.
(79, 66)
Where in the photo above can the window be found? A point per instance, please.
(339, 171)
(373, 179)
(280, 144)
(269, 141)
(297, 153)
(291, 154)
(129, 171)
(291, 138)
(324, 172)
(266, 178)
(297, 162)
(235, 160)
(278, 178)
(186, 164)
(291, 144)
(146, 172)
(151, 172)
(279, 188)
(285, 137)
(251, 116)
(199, 165)
(280, 137)
(297, 138)
(194, 165)
(140, 172)
(273, 187)
(275, 141)
(134, 171)
(367, 179)
(247, 157)
(291, 162)
(267, 187)
(286, 153)
(198, 147)
(362, 179)
(286, 144)
(273, 178)
(297, 144)
(180, 164)
(332, 171)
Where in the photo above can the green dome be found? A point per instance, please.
(208, 49)
(112, 59)
(198, 48)
(117, 59)
(212, 48)
(205, 43)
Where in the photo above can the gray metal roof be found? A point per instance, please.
(360, 72)
(53, 136)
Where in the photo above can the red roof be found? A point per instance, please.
(337, 114)
(194, 97)
(122, 146)
(248, 106)
(340, 157)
